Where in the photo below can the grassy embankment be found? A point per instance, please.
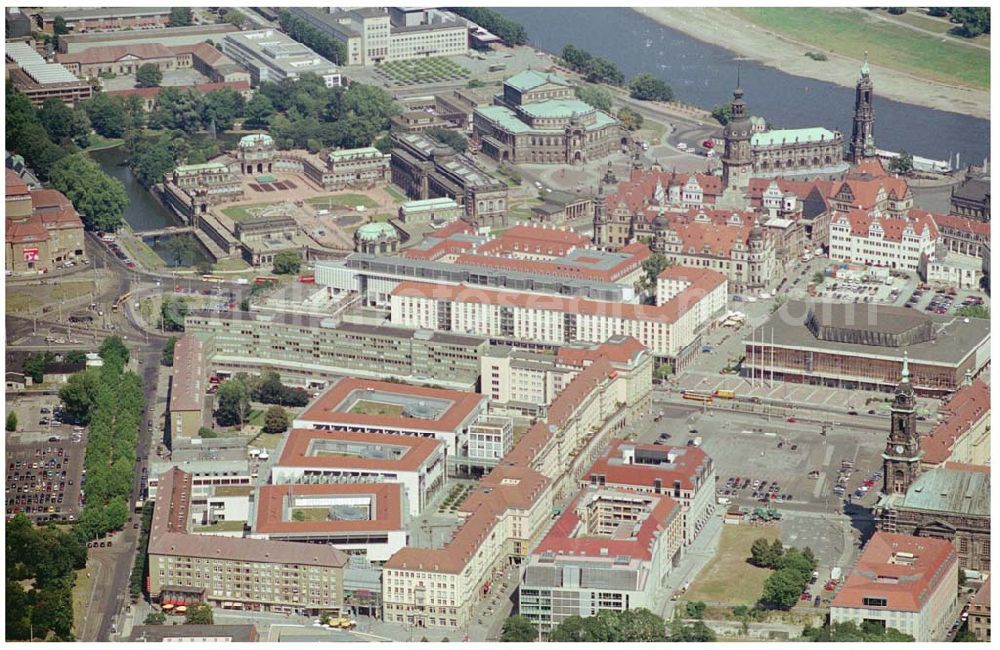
(849, 32)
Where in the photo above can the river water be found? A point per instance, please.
(143, 212)
(705, 75)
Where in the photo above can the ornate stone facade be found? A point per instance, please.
(862, 136)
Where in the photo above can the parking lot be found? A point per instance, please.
(43, 479)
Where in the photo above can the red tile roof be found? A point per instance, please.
(669, 312)
(55, 210)
(618, 350)
(187, 390)
(542, 241)
(870, 167)
(906, 585)
(636, 194)
(327, 407)
(963, 224)
(112, 53)
(967, 406)
(169, 537)
(564, 539)
(892, 227)
(689, 466)
(26, 232)
(295, 453)
(386, 516)
(14, 185)
(238, 86)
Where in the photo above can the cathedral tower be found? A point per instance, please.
(863, 136)
(901, 458)
(737, 160)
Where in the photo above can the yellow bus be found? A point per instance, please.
(696, 396)
(725, 394)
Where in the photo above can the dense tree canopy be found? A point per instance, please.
(453, 139)
(596, 96)
(318, 41)
(100, 199)
(173, 312)
(151, 161)
(630, 120)
(181, 17)
(511, 32)
(868, 631)
(148, 75)
(64, 123)
(232, 403)
(107, 114)
(518, 629)
(287, 262)
(647, 87)
(275, 420)
(610, 626)
(27, 135)
(596, 69)
(974, 20)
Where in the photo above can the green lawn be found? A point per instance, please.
(267, 440)
(850, 32)
(98, 142)
(729, 578)
(396, 195)
(918, 18)
(65, 290)
(141, 253)
(242, 212)
(81, 597)
(350, 201)
(231, 264)
(18, 302)
(312, 514)
(256, 418)
(367, 407)
(423, 71)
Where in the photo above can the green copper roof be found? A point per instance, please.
(950, 490)
(376, 230)
(204, 167)
(557, 108)
(344, 154)
(865, 71)
(530, 79)
(505, 118)
(256, 138)
(789, 136)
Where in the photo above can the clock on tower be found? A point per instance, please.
(901, 458)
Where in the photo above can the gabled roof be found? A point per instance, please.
(967, 406)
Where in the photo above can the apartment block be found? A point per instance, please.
(668, 330)
(188, 386)
(236, 573)
(612, 549)
(903, 582)
(310, 456)
(366, 519)
(314, 351)
(686, 474)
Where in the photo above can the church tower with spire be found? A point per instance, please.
(737, 159)
(863, 137)
(901, 458)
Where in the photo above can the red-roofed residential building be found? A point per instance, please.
(230, 571)
(963, 432)
(879, 239)
(686, 474)
(42, 229)
(963, 235)
(351, 456)
(506, 514)
(358, 518)
(979, 613)
(667, 329)
(611, 549)
(903, 582)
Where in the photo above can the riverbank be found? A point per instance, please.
(726, 29)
